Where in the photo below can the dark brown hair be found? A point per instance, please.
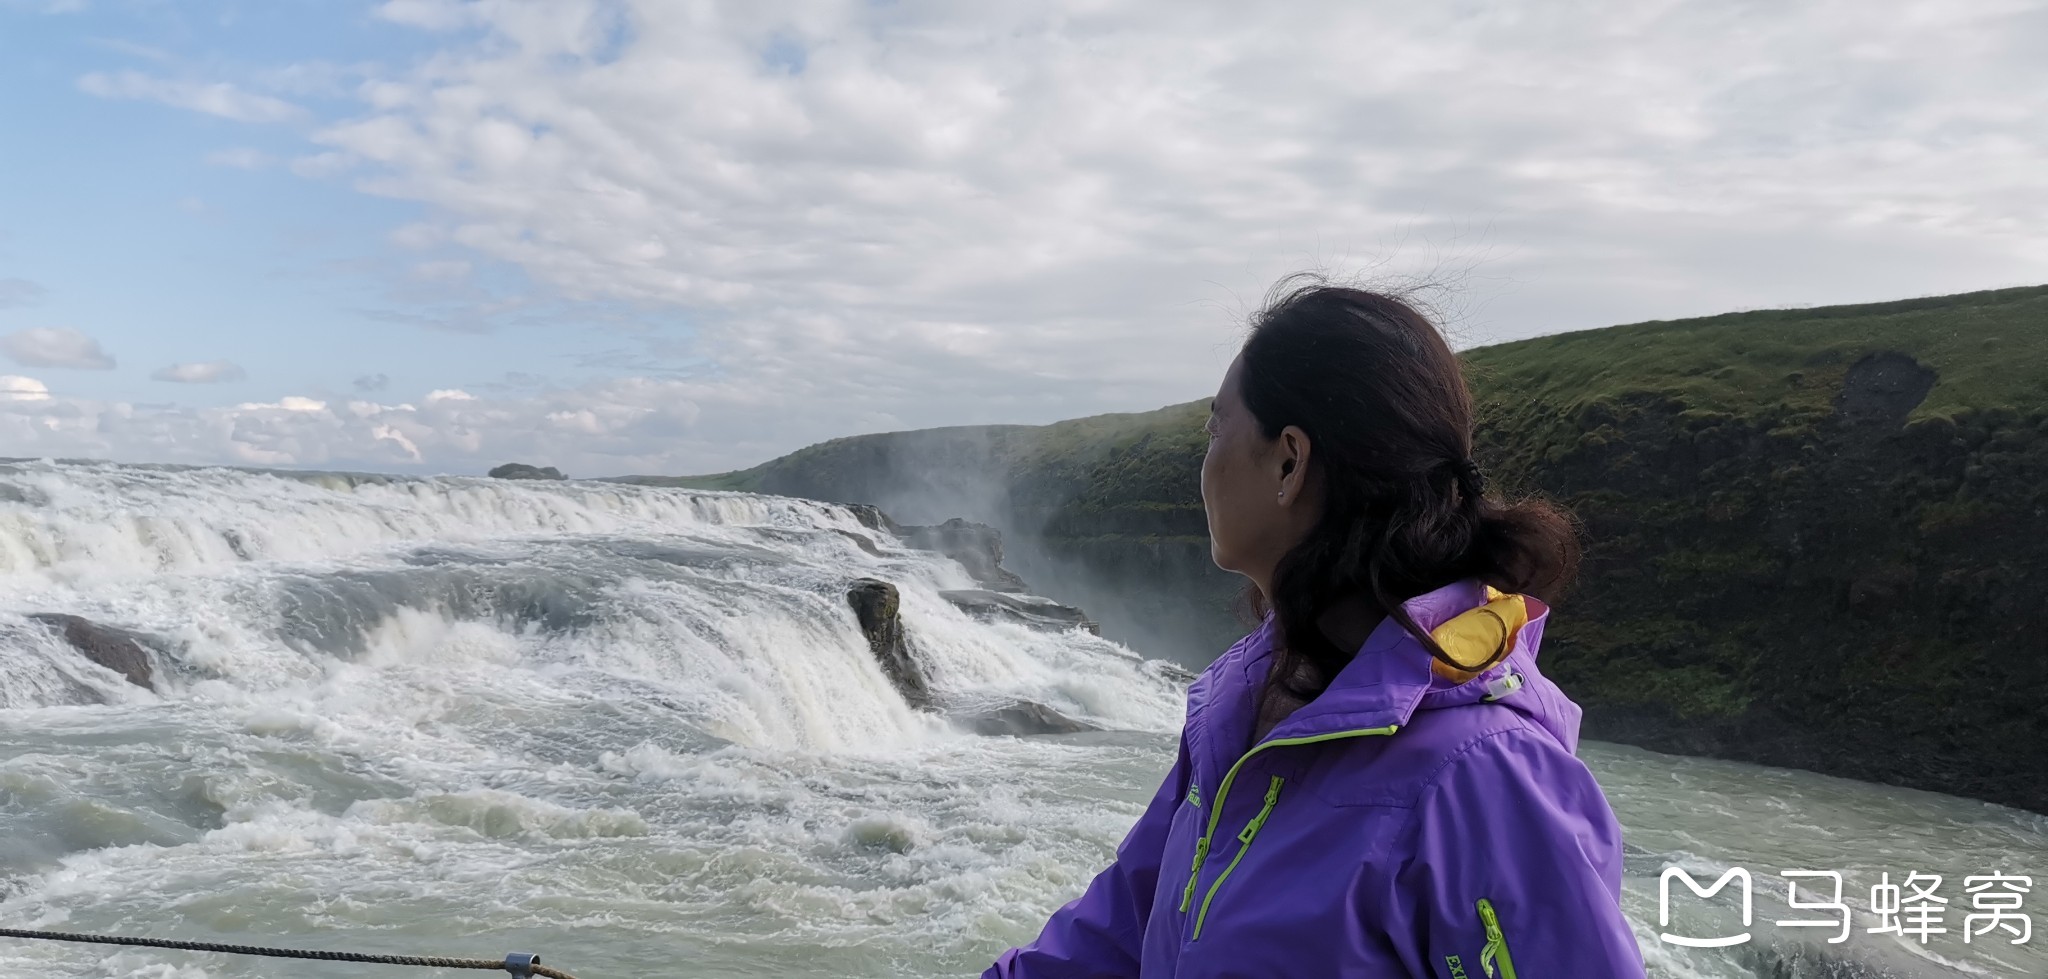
(1389, 420)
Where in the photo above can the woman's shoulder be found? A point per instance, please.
(1443, 747)
(1500, 755)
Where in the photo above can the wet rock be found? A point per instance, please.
(872, 517)
(1032, 612)
(520, 470)
(877, 606)
(1022, 718)
(881, 834)
(978, 548)
(115, 649)
(859, 540)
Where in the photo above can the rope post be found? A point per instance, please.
(520, 964)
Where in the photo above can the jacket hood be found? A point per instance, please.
(1393, 676)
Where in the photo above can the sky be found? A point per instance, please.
(678, 236)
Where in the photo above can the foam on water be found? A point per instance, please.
(639, 730)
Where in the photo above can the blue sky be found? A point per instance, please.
(432, 235)
(149, 229)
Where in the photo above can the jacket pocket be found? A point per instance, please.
(1496, 949)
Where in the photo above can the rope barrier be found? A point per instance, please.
(522, 965)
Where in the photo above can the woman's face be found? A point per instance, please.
(1252, 486)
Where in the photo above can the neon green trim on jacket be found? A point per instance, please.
(1244, 837)
(1496, 943)
(1187, 898)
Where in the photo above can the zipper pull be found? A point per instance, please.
(1252, 828)
(1195, 872)
(1496, 943)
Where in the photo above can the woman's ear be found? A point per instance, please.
(1294, 444)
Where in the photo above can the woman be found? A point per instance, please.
(1377, 782)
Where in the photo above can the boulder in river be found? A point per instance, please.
(872, 517)
(115, 649)
(1021, 718)
(520, 470)
(877, 607)
(1036, 613)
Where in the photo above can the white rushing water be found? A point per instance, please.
(638, 730)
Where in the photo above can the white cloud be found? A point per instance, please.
(52, 347)
(14, 387)
(443, 270)
(213, 98)
(1025, 211)
(241, 158)
(433, 15)
(391, 434)
(895, 215)
(624, 425)
(208, 372)
(290, 402)
(316, 166)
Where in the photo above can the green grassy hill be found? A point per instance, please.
(1814, 536)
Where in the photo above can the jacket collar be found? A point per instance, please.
(1385, 681)
(1384, 684)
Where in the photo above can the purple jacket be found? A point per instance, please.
(1400, 825)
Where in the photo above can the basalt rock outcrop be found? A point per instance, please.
(520, 470)
(877, 607)
(116, 649)
(872, 517)
(977, 546)
(1036, 613)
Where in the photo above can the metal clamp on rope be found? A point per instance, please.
(521, 964)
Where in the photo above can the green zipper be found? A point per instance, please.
(1244, 837)
(1187, 898)
(1496, 943)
